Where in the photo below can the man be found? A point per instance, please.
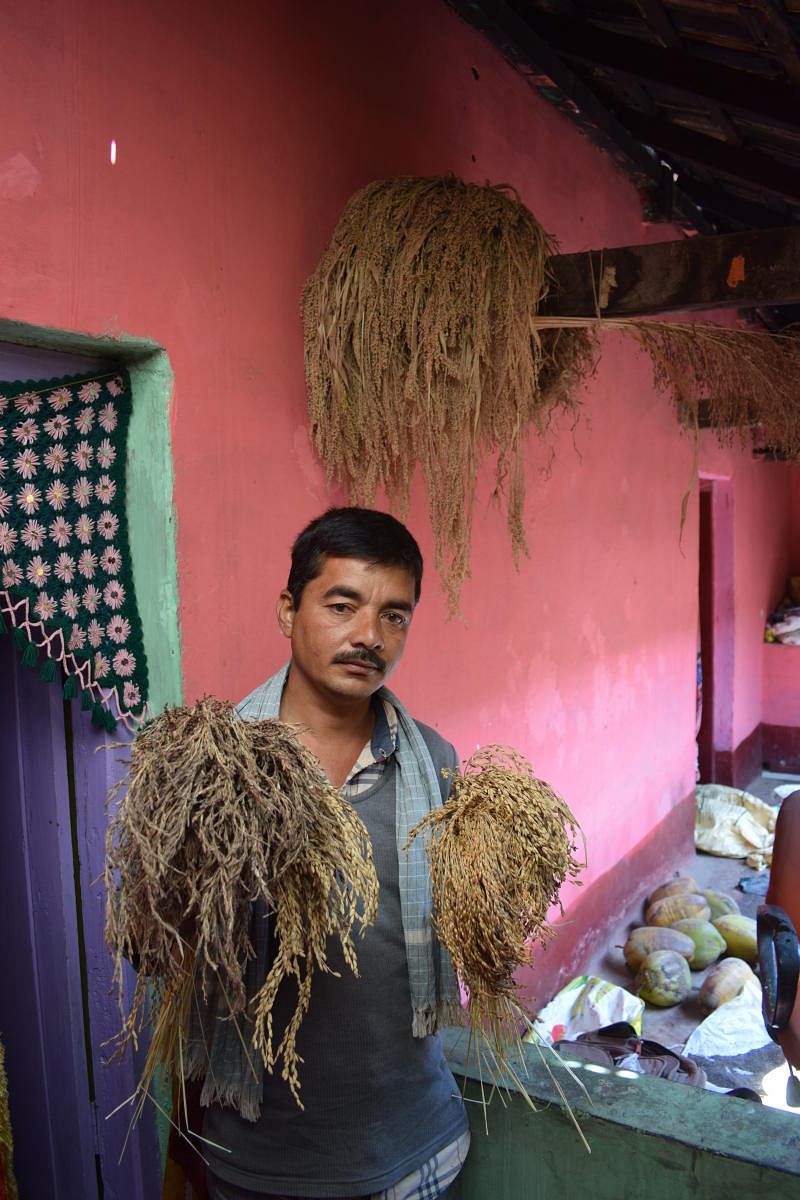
(382, 1114)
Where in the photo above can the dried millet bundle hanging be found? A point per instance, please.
(739, 382)
(218, 812)
(499, 851)
(735, 379)
(423, 345)
(419, 349)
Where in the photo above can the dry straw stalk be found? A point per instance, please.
(215, 813)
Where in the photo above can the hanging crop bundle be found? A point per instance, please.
(500, 850)
(735, 381)
(218, 813)
(419, 349)
(424, 347)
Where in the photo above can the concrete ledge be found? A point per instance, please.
(650, 1139)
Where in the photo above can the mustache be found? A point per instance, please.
(365, 657)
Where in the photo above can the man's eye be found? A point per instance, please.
(396, 618)
(340, 608)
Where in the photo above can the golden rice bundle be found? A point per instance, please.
(216, 813)
(739, 382)
(424, 347)
(7, 1176)
(419, 350)
(499, 851)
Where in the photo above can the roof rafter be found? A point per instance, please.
(740, 91)
(750, 166)
(738, 209)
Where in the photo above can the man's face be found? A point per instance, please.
(350, 629)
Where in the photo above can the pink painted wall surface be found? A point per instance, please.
(239, 141)
(781, 685)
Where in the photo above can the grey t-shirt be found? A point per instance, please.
(378, 1102)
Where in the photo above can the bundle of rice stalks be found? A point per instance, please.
(8, 1182)
(216, 813)
(733, 380)
(499, 851)
(419, 350)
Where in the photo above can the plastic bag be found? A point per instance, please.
(734, 824)
(732, 1029)
(586, 1003)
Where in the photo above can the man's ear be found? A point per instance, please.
(284, 611)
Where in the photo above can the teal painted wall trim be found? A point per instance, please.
(124, 347)
(150, 508)
(151, 525)
(649, 1138)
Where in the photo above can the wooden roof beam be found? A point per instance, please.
(780, 38)
(734, 270)
(761, 171)
(686, 73)
(660, 22)
(732, 209)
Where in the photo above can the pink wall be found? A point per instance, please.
(781, 685)
(239, 141)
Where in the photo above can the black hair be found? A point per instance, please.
(376, 537)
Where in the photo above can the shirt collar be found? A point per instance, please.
(384, 735)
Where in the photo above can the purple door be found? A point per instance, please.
(129, 1171)
(41, 1002)
(57, 1005)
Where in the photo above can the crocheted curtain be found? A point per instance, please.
(66, 587)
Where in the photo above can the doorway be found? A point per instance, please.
(57, 1008)
(715, 643)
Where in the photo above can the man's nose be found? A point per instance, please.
(367, 631)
